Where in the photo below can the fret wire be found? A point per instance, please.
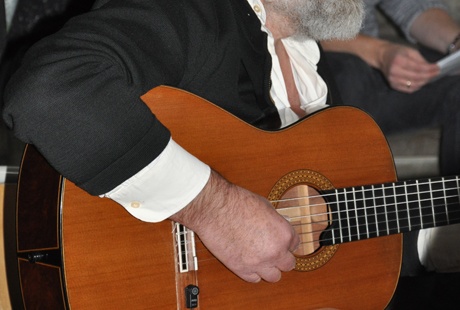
(458, 195)
(339, 217)
(334, 237)
(441, 197)
(375, 211)
(365, 212)
(445, 195)
(385, 205)
(356, 213)
(407, 205)
(420, 209)
(348, 215)
(401, 199)
(396, 207)
(432, 202)
(388, 207)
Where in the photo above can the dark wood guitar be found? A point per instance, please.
(82, 252)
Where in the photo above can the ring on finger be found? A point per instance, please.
(408, 84)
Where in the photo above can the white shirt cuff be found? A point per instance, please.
(164, 187)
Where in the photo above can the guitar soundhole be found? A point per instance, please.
(295, 196)
(307, 212)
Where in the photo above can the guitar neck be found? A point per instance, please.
(365, 212)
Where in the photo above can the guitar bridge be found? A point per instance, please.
(185, 246)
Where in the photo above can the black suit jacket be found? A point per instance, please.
(31, 21)
(77, 95)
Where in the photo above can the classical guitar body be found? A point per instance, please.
(82, 252)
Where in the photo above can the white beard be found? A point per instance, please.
(320, 19)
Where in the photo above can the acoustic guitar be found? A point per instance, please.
(331, 175)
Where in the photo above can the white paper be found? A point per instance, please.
(3, 174)
(449, 65)
(7, 172)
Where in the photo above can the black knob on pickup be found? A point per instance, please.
(191, 296)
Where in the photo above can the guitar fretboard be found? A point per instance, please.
(379, 210)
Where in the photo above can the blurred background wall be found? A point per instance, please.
(455, 6)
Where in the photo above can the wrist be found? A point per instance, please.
(454, 45)
(383, 53)
(206, 206)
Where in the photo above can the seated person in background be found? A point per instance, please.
(95, 69)
(393, 82)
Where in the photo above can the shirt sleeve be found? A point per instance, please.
(404, 13)
(163, 187)
(438, 248)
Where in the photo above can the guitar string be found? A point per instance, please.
(431, 215)
(378, 206)
(364, 189)
(355, 226)
(431, 206)
(316, 242)
(383, 231)
(364, 199)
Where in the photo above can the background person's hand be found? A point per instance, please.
(405, 68)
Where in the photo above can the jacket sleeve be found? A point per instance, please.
(76, 95)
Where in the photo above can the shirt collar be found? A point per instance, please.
(259, 9)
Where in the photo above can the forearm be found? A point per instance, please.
(436, 29)
(368, 48)
(241, 229)
(403, 66)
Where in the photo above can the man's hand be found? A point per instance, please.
(405, 68)
(242, 230)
